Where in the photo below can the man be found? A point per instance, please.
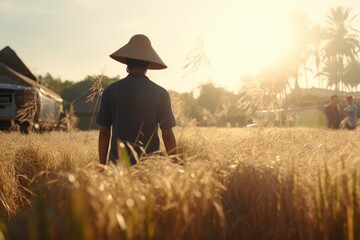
(332, 113)
(351, 113)
(133, 108)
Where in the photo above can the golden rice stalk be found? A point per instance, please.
(28, 110)
(96, 88)
(196, 58)
(70, 120)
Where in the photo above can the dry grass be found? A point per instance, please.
(272, 183)
(29, 109)
(70, 120)
(24, 156)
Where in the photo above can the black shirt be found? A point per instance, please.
(333, 116)
(135, 107)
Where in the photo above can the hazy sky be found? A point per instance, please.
(73, 38)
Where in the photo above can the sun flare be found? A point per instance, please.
(252, 41)
(267, 39)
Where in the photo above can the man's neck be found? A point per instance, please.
(137, 71)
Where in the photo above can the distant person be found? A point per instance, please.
(351, 113)
(332, 112)
(133, 108)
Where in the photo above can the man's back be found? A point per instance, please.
(134, 107)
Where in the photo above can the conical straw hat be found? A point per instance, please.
(139, 47)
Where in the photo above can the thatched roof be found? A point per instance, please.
(13, 72)
(11, 59)
(10, 77)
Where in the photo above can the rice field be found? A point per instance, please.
(248, 183)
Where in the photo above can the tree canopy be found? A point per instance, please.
(69, 90)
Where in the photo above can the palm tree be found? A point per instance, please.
(329, 71)
(285, 75)
(307, 39)
(352, 74)
(276, 79)
(317, 35)
(342, 41)
(300, 51)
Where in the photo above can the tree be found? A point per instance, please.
(214, 107)
(352, 74)
(254, 95)
(54, 84)
(184, 107)
(210, 97)
(305, 43)
(80, 88)
(342, 41)
(317, 35)
(275, 80)
(300, 51)
(329, 70)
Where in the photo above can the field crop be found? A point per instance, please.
(250, 183)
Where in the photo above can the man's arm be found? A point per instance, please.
(348, 111)
(104, 137)
(169, 141)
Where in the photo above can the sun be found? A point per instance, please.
(248, 44)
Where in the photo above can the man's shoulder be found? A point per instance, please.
(154, 87)
(328, 107)
(131, 82)
(115, 85)
(157, 87)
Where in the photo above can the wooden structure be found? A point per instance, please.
(87, 111)
(18, 87)
(305, 107)
(316, 98)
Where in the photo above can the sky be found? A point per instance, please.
(71, 39)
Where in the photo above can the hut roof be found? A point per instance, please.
(13, 78)
(11, 59)
(307, 97)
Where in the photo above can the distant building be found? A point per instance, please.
(305, 107)
(86, 111)
(316, 98)
(14, 72)
(18, 87)
(11, 60)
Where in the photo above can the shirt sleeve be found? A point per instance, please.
(166, 117)
(104, 115)
(350, 108)
(353, 108)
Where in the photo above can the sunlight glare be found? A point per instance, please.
(252, 40)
